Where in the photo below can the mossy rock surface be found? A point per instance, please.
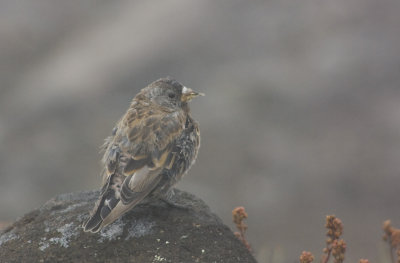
(152, 232)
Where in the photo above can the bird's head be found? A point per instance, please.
(170, 93)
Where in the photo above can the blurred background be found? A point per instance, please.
(301, 116)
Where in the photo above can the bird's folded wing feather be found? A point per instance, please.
(145, 140)
(141, 147)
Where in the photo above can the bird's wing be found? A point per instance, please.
(146, 138)
(141, 147)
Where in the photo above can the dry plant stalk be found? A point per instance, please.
(392, 236)
(239, 214)
(337, 247)
(334, 246)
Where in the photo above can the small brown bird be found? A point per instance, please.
(150, 149)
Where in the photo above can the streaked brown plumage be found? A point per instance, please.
(150, 149)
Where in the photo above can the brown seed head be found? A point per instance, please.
(306, 257)
(387, 227)
(392, 234)
(338, 250)
(239, 214)
(334, 226)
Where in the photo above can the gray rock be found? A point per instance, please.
(152, 232)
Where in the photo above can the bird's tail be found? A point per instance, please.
(102, 208)
(117, 197)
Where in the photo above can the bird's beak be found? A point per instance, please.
(188, 94)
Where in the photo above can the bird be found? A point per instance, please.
(150, 149)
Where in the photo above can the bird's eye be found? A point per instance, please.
(171, 95)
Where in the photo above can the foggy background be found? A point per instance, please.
(301, 116)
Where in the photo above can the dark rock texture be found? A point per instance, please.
(152, 232)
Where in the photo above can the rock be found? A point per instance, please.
(152, 232)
